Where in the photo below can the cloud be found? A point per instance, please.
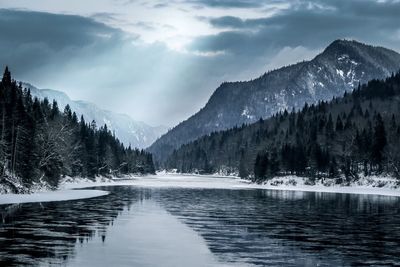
(76, 30)
(228, 22)
(92, 61)
(304, 24)
(152, 26)
(161, 5)
(107, 16)
(33, 39)
(228, 3)
(239, 40)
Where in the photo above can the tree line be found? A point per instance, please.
(39, 143)
(358, 133)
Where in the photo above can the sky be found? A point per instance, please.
(160, 61)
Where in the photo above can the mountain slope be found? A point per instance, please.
(356, 134)
(129, 131)
(339, 68)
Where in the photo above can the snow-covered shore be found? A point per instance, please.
(384, 186)
(41, 192)
(375, 185)
(50, 196)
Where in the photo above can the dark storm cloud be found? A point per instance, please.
(309, 24)
(31, 40)
(54, 30)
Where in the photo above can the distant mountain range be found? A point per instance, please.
(339, 68)
(137, 134)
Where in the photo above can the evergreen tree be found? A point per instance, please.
(6, 81)
(38, 143)
(378, 141)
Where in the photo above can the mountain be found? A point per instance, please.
(137, 134)
(357, 134)
(339, 68)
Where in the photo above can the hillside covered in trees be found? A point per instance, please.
(338, 69)
(40, 144)
(358, 133)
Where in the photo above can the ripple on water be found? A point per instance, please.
(203, 227)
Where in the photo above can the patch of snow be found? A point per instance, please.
(353, 62)
(375, 185)
(310, 83)
(340, 72)
(246, 113)
(165, 180)
(280, 100)
(13, 184)
(59, 195)
(343, 57)
(349, 73)
(80, 182)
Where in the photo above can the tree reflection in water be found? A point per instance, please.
(36, 232)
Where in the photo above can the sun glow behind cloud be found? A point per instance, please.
(175, 23)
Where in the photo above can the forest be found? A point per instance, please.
(40, 144)
(357, 134)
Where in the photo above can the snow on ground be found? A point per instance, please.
(385, 186)
(374, 185)
(59, 195)
(161, 180)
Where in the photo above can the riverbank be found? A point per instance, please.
(42, 193)
(384, 186)
(50, 196)
(374, 185)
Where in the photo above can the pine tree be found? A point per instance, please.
(329, 127)
(38, 142)
(243, 172)
(6, 81)
(378, 142)
(260, 167)
(339, 124)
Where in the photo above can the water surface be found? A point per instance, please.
(136, 226)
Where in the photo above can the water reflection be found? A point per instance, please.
(149, 236)
(292, 228)
(48, 232)
(133, 226)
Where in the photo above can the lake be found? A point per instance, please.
(170, 226)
